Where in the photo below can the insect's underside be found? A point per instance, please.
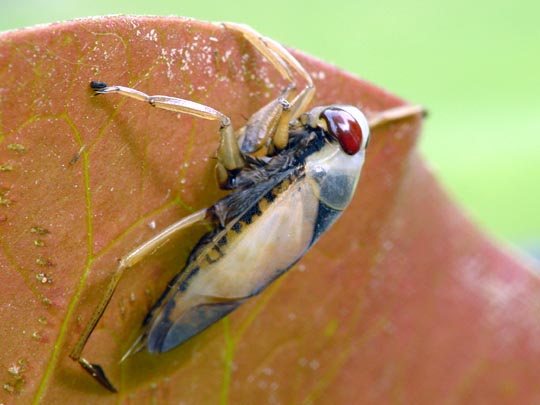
(312, 164)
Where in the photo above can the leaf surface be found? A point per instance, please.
(404, 300)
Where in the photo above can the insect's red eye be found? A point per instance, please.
(343, 127)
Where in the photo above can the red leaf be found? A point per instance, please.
(402, 301)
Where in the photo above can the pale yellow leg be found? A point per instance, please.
(132, 258)
(229, 155)
(169, 103)
(274, 124)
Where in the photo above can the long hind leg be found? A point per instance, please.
(129, 260)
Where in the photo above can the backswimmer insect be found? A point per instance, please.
(280, 205)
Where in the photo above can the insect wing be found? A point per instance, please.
(239, 262)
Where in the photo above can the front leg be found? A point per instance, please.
(269, 127)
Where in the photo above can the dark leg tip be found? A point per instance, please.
(97, 85)
(97, 372)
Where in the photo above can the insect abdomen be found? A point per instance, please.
(238, 264)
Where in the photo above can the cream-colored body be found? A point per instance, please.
(238, 264)
(267, 246)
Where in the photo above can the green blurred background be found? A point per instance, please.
(474, 65)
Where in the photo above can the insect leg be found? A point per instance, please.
(282, 60)
(132, 258)
(230, 158)
(273, 119)
(179, 105)
(394, 114)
